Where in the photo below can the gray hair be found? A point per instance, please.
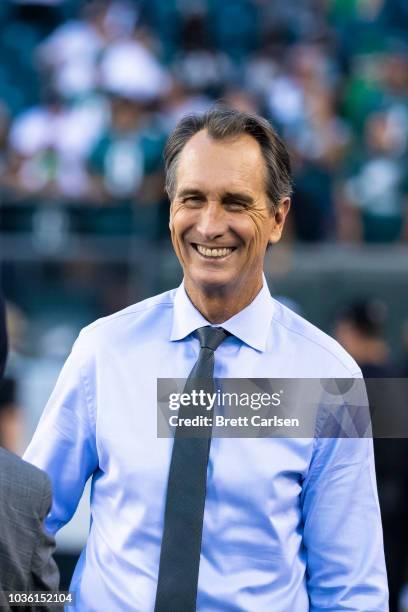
(223, 123)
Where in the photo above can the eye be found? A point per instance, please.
(235, 206)
(192, 200)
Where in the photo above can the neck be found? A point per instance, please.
(220, 304)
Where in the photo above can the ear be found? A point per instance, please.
(279, 218)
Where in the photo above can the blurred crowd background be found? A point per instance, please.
(89, 91)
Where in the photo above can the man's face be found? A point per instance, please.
(220, 218)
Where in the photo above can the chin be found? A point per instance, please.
(214, 280)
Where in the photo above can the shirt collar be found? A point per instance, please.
(251, 325)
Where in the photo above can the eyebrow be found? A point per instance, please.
(227, 198)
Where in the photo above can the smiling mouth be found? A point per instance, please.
(214, 252)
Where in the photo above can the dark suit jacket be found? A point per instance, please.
(26, 562)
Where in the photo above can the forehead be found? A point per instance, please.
(220, 164)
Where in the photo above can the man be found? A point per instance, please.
(360, 328)
(26, 562)
(288, 524)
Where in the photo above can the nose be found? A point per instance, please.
(212, 222)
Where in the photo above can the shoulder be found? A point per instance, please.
(145, 315)
(18, 469)
(19, 480)
(314, 344)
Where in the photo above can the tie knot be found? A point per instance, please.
(211, 337)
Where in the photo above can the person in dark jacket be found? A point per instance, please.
(360, 328)
(26, 561)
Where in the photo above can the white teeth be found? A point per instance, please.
(213, 252)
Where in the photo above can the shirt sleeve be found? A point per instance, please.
(342, 528)
(63, 444)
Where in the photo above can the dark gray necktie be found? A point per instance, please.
(185, 500)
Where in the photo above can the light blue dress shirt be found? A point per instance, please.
(290, 525)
